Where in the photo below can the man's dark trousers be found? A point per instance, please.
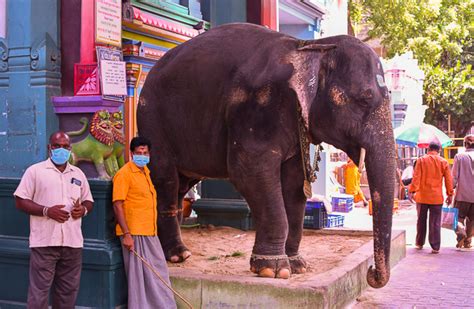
(466, 218)
(56, 267)
(434, 235)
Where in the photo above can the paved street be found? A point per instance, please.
(422, 279)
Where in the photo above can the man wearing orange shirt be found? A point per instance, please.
(427, 188)
(134, 201)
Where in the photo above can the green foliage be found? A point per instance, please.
(440, 34)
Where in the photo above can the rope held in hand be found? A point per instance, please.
(161, 279)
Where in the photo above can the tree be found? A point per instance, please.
(440, 35)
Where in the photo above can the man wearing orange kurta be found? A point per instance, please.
(426, 186)
(352, 182)
(134, 201)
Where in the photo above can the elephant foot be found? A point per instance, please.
(177, 254)
(298, 264)
(270, 266)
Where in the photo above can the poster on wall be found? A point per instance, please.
(113, 76)
(108, 22)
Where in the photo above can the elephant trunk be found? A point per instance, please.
(381, 166)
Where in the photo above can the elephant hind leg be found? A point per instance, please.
(292, 179)
(166, 180)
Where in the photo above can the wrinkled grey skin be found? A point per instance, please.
(224, 105)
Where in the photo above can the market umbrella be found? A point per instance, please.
(421, 135)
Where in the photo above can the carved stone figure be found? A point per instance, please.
(104, 144)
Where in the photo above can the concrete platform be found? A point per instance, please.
(332, 289)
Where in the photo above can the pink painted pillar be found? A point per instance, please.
(87, 32)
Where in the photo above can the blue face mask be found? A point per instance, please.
(140, 160)
(60, 155)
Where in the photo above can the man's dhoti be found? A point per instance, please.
(145, 290)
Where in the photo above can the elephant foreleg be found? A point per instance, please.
(292, 179)
(262, 191)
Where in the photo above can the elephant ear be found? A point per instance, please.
(306, 61)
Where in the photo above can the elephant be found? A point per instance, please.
(238, 102)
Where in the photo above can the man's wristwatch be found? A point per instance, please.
(85, 211)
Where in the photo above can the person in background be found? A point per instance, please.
(135, 208)
(188, 200)
(407, 174)
(56, 195)
(352, 182)
(426, 188)
(463, 179)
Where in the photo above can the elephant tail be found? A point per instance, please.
(85, 123)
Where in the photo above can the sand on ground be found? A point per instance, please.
(226, 251)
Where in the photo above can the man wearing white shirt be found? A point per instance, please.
(56, 195)
(463, 180)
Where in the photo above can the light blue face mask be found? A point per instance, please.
(140, 160)
(60, 155)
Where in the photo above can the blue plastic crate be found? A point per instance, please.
(335, 221)
(342, 202)
(315, 215)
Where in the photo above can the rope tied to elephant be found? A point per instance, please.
(169, 213)
(267, 257)
(147, 264)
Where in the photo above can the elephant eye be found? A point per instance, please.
(367, 94)
(366, 98)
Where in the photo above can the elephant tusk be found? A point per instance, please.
(361, 159)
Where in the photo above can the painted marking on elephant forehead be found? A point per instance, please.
(142, 101)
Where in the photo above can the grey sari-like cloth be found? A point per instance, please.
(145, 290)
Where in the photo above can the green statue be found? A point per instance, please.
(104, 144)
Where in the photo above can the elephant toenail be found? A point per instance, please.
(186, 254)
(284, 273)
(174, 259)
(267, 272)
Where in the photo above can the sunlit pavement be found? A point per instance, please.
(422, 279)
